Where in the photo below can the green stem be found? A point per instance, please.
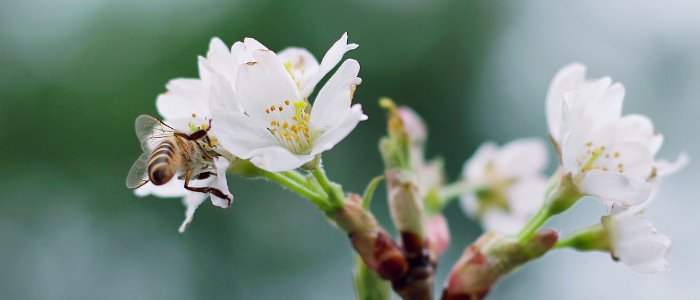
(368, 284)
(335, 195)
(560, 196)
(296, 176)
(453, 191)
(593, 237)
(292, 184)
(534, 223)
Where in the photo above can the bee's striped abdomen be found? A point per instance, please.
(161, 166)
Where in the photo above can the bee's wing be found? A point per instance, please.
(137, 175)
(150, 129)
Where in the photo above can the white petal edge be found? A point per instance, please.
(220, 183)
(637, 244)
(521, 157)
(566, 79)
(184, 97)
(474, 170)
(328, 139)
(332, 105)
(332, 58)
(192, 201)
(304, 65)
(666, 168)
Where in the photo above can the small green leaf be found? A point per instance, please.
(369, 191)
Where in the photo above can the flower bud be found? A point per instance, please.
(374, 245)
(438, 234)
(490, 258)
(413, 126)
(405, 201)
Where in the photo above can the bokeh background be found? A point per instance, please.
(75, 73)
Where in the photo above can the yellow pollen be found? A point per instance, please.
(589, 144)
(617, 154)
(591, 161)
(267, 111)
(292, 130)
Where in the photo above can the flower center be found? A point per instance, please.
(494, 194)
(598, 158)
(291, 130)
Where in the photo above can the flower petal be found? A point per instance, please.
(172, 189)
(192, 201)
(240, 134)
(637, 244)
(469, 204)
(221, 164)
(502, 222)
(639, 128)
(332, 58)
(183, 98)
(302, 64)
(278, 159)
(332, 105)
(328, 139)
(220, 60)
(474, 170)
(568, 78)
(526, 196)
(615, 189)
(521, 157)
(263, 84)
(666, 168)
(222, 98)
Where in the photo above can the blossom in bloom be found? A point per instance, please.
(185, 107)
(507, 184)
(634, 241)
(265, 113)
(608, 155)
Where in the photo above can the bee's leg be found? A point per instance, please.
(203, 175)
(209, 142)
(192, 137)
(214, 191)
(197, 134)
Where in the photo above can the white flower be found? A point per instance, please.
(275, 126)
(635, 242)
(608, 155)
(185, 107)
(508, 184)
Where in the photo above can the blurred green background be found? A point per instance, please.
(74, 74)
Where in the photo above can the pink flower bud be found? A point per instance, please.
(413, 125)
(438, 235)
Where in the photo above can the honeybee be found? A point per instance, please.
(169, 153)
